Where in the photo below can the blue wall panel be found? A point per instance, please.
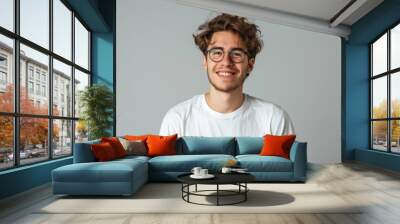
(102, 58)
(24, 178)
(357, 84)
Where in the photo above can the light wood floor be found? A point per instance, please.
(378, 188)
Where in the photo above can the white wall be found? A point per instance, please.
(158, 66)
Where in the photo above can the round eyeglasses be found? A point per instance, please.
(236, 55)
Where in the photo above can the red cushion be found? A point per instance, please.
(277, 145)
(161, 145)
(103, 151)
(116, 145)
(136, 137)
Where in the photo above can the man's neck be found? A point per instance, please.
(224, 102)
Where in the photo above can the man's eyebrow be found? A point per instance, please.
(238, 48)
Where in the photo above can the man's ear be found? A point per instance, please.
(252, 61)
(204, 63)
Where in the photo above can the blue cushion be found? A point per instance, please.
(206, 145)
(185, 163)
(249, 145)
(257, 163)
(83, 153)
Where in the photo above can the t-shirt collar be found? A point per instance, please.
(224, 115)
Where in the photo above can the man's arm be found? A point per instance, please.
(171, 124)
(281, 124)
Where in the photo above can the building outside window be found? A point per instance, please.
(38, 89)
(34, 79)
(385, 91)
(3, 61)
(43, 90)
(37, 75)
(43, 78)
(30, 87)
(30, 72)
(3, 78)
(3, 72)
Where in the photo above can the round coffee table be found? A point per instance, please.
(238, 179)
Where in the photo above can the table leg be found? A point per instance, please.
(196, 188)
(245, 191)
(217, 194)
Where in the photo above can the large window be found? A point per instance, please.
(44, 64)
(385, 91)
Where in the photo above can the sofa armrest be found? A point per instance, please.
(83, 152)
(298, 155)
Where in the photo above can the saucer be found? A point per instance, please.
(208, 176)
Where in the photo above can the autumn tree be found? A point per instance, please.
(33, 131)
(380, 127)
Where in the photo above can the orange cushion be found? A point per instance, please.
(161, 145)
(103, 151)
(277, 145)
(116, 145)
(136, 137)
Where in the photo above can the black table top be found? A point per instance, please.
(220, 178)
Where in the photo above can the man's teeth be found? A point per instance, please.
(225, 73)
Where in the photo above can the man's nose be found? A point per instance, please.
(227, 60)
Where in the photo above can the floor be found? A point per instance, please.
(378, 188)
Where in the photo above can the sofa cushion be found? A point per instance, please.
(277, 145)
(103, 151)
(111, 171)
(185, 163)
(116, 145)
(206, 145)
(249, 145)
(161, 145)
(257, 163)
(83, 152)
(134, 147)
(136, 137)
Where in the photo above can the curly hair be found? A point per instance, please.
(249, 32)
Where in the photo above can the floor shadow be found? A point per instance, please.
(255, 198)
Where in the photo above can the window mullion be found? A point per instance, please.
(50, 81)
(371, 89)
(16, 83)
(389, 112)
(73, 82)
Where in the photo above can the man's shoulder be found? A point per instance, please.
(260, 104)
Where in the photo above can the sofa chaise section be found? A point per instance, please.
(87, 177)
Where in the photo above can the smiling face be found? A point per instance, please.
(226, 75)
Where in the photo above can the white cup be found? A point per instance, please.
(196, 170)
(203, 172)
(226, 170)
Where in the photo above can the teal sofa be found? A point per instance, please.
(125, 176)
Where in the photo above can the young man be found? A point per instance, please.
(229, 45)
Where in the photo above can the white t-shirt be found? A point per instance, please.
(254, 117)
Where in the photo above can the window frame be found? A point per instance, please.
(16, 114)
(388, 74)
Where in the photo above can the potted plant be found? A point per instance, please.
(96, 102)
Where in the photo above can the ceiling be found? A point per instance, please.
(318, 9)
(333, 17)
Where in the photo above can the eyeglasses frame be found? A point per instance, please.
(229, 53)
